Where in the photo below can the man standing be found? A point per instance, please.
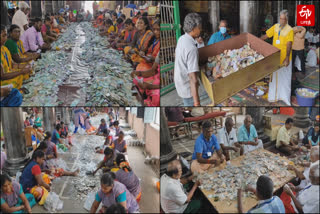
(285, 143)
(280, 86)
(247, 136)
(298, 47)
(186, 65)
(20, 17)
(221, 34)
(227, 137)
(32, 40)
(207, 151)
(174, 198)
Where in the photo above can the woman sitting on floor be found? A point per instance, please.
(11, 73)
(51, 170)
(90, 129)
(148, 84)
(13, 200)
(119, 194)
(126, 176)
(108, 29)
(32, 180)
(140, 43)
(129, 32)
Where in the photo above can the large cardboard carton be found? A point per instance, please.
(221, 89)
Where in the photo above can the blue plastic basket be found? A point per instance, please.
(305, 101)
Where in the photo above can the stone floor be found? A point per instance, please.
(82, 156)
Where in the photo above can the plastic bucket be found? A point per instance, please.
(305, 101)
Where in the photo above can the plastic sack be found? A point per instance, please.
(71, 127)
(301, 135)
(89, 201)
(18, 174)
(53, 202)
(312, 58)
(81, 131)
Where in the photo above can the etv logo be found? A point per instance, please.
(305, 15)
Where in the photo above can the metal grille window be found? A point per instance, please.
(169, 34)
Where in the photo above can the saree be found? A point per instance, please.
(141, 45)
(22, 54)
(6, 62)
(153, 95)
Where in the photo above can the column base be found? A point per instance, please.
(13, 166)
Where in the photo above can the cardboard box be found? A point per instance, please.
(127, 12)
(221, 89)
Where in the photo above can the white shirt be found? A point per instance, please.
(173, 196)
(304, 183)
(309, 199)
(186, 62)
(20, 19)
(225, 138)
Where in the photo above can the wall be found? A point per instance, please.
(150, 133)
(153, 140)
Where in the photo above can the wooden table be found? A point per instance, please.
(224, 206)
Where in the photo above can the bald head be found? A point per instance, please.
(174, 169)
(314, 154)
(314, 173)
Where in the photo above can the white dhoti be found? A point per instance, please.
(249, 148)
(280, 86)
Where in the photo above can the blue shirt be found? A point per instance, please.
(218, 37)
(203, 146)
(272, 205)
(244, 136)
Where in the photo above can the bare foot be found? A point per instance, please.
(75, 173)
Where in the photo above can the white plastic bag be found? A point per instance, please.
(71, 127)
(53, 202)
(18, 176)
(89, 201)
(312, 58)
(301, 135)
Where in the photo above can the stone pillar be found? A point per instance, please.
(214, 14)
(4, 13)
(13, 130)
(36, 9)
(301, 117)
(248, 16)
(65, 115)
(167, 153)
(49, 118)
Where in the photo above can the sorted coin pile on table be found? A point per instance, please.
(231, 61)
(225, 183)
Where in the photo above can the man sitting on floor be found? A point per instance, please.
(264, 192)
(174, 198)
(285, 143)
(227, 138)
(247, 136)
(306, 200)
(206, 150)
